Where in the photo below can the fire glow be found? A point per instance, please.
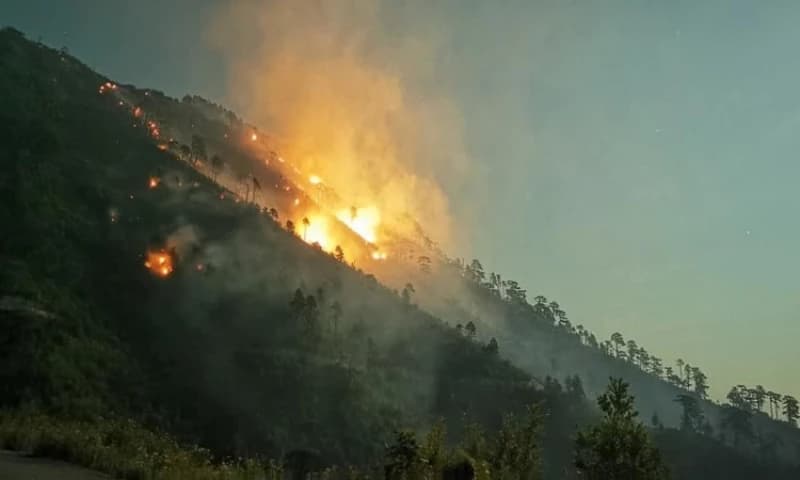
(363, 221)
(159, 263)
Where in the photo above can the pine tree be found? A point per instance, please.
(619, 446)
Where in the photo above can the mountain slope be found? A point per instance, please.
(252, 341)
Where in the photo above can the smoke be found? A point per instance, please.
(350, 91)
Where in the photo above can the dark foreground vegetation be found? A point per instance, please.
(619, 447)
(256, 345)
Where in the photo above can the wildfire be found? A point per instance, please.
(253, 137)
(154, 130)
(314, 180)
(137, 112)
(153, 182)
(315, 230)
(107, 86)
(363, 221)
(160, 263)
(377, 255)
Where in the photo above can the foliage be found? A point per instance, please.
(619, 447)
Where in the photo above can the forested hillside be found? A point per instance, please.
(138, 283)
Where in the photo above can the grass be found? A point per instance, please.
(124, 449)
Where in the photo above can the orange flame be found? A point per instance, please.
(160, 263)
(363, 221)
(154, 181)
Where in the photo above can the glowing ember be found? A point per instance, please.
(363, 221)
(162, 146)
(253, 137)
(154, 181)
(315, 180)
(296, 202)
(160, 263)
(137, 112)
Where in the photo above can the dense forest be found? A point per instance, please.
(141, 280)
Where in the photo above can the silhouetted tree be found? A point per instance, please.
(692, 418)
(633, 352)
(198, 149)
(338, 253)
(700, 383)
(514, 292)
(774, 403)
(470, 329)
(619, 447)
(790, 409)
(290, 227)
(256, 188)
(759, 395)
(618, 342)
(306, 224)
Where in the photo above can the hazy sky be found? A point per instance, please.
(636, 160)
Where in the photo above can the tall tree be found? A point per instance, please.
(306, 224)
(759, 396)
(700, 381)
(633, 352)
(618, 341)
(692, 418)
(790, 409)
(619, 447)
(775, 400)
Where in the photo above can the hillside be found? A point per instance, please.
(239, 335)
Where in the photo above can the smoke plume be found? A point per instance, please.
(350, 91)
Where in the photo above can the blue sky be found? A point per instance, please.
(635, 160)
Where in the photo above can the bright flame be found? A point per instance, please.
(315, 180)
(253, 137)
(316, 231)
(363, 221)
(154, 181)
(376, 255)
(160, 263)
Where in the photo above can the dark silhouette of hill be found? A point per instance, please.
(251, 341)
